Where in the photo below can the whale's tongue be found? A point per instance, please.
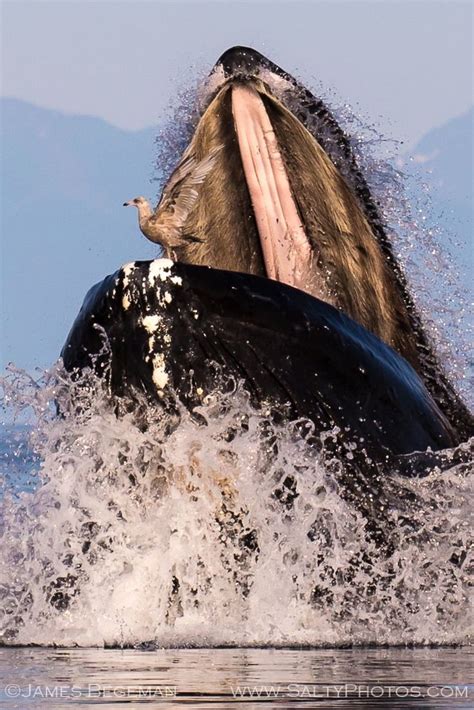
(287, 251)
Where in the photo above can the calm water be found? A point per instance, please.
(237, 678)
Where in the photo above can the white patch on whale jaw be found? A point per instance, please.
(127, 270)
(160, 270)
(160, 273)
(160, 376)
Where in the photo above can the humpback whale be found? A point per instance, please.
(288, 283)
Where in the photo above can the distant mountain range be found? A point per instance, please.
(64, 228)
(443, 159)
(446, 152)
(65, 179)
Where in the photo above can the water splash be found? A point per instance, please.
(222, 528)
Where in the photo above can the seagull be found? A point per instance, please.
(165, 225)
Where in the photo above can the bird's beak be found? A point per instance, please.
(127, 204)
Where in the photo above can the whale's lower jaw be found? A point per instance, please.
(171, 329)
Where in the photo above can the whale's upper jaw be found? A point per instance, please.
(247, 63)
(244, 61)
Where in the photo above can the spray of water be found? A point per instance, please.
(221, 528)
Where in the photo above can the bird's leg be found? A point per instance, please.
(170, 254)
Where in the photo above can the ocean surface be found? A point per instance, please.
(236, 678)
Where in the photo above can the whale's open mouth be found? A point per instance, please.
(286, 200)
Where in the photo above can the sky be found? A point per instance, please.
(403, 66)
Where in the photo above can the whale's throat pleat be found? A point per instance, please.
(313, 231)
(287, 252)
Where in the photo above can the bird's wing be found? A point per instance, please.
(187, 164)
(181, 191)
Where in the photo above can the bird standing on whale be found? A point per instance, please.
(165, 225)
